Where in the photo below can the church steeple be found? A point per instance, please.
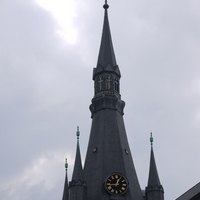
(109, 172)
(108, 149)
(154, 189)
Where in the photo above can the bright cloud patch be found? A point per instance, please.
(64, 13)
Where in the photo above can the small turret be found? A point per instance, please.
(154, 189)
(66, 186)
(78, 169)
(77, 186)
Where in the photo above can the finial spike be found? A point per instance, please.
(66, 164)
(151, 138)
(77, 132)
(106, 6)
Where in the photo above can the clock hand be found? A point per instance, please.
(110, 184)
(117, 183)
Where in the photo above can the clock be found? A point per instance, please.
(116, 184)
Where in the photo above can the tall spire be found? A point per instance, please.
(108, 149)
(106, 75)
(106, 60)
(154, 189)
(66, 187)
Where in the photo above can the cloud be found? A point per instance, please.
(39, 179)
(64, 13)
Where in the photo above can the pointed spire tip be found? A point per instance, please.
(66, 164)
(151, 139)
(77, 132)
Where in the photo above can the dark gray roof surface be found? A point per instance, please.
(78, 169)
(192, 194)
(108, 152)
(153, 173)
(106, 59)
(66, 189)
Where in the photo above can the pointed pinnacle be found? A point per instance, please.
(77, 132)
(66, 164)
(151, 138)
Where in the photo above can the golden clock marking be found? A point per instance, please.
(116, 184)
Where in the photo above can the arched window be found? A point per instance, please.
(100, 83)
(109, 82)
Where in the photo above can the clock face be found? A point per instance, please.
(116, 184)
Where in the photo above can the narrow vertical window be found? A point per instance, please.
(109, 82)
(116, 85)
(100, 83)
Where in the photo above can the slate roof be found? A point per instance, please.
(106, 59)
(192, 194)
(153, 172)
(154, 189)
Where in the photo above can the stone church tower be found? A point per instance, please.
(109, 171)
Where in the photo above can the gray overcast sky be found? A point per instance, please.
(47, 53)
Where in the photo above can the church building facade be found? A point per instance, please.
(109, 172)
